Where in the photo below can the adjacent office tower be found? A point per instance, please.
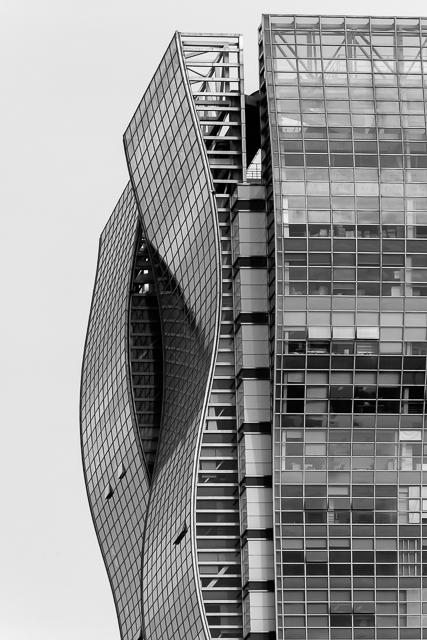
(253, 385)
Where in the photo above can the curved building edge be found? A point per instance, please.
(107, 568)
(113, 469)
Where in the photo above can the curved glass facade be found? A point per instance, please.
(116, 478)
(170, 176)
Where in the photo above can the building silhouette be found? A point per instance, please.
(253, 384)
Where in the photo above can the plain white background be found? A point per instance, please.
(71, 75)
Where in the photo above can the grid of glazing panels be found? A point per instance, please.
(215, 72)
(115, 474)
(167, 164)
(346, 100)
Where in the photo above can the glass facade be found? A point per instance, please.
(170, 177)
(253, 388)
(346, 109)
(116, 478)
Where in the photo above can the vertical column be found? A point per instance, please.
(253, 409)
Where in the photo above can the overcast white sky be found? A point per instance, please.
(72, 73)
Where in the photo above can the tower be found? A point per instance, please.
(253, 385)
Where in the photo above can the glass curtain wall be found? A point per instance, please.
(346, 101)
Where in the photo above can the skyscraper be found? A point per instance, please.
(253, 385)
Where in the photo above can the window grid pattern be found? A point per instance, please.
(112, 459)
(253, 410)
(169, 176)
(346, 101)
(214, 70)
